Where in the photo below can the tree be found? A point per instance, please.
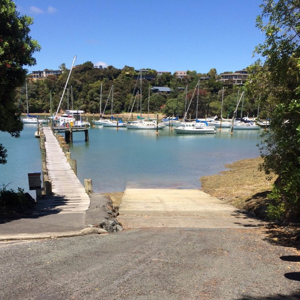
(16, 50)
(278, 83)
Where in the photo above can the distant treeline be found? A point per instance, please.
(86, 81)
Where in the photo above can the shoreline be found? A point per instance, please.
(241, 185)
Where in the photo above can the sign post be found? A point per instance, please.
(34, 180)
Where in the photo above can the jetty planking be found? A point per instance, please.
(68, 193)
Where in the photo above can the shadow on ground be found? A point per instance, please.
(294, 296)
(47, 205)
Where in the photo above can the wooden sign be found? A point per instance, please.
(34, 180)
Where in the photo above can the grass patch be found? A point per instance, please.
(242, 186)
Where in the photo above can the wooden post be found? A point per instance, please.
(88, 186)
(67, 136)
(71, 135)
(117, 122)
(68, 156)
(157, 124)
(73, 164)
(86, 133)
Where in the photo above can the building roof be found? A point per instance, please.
(161, 89)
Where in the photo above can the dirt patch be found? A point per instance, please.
(243, 186)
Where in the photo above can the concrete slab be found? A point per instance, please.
(144, 208)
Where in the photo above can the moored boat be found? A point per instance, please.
(147, 125)
(195, 128)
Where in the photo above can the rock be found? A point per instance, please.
(92, 230)
(119, 228)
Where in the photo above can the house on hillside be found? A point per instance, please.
(236, 78)
(180, 74)
(35, 75)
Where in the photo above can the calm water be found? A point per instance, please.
(116, 160)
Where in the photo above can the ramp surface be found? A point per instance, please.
(143, 208)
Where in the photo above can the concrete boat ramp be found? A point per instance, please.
(150, 208)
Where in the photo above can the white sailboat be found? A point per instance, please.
(31, 119)
(112, 122)
(197, 127)
(242, 124)
(141, 123)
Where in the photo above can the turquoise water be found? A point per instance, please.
(23, 157)
(116, 160)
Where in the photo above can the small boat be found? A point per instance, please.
(219, 124)
(245, 126)
(143, 124)
(71, 118)
(171, 121)
(113, 123)
(31, 119)
(263, 124)
(195, 128)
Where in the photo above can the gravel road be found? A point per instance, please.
(151, 264)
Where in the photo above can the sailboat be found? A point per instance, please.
(221, 123)
(31, 119)
(141, 123)
(198, 126)
(112, 122)
(243, 123)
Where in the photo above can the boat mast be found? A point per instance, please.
(100, 98)
(148, 101)
(198, 86)
(27, 98)
(185, 102)
(67, 98)
(112, 100)
(62, 96)
(234, 113)
(141, 94)
(72, 96)
(242, 106)
(107, 100)
(222, 104)
(191, 100)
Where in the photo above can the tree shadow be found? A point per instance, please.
(291, 258)
(283, 235)
(47, 205)
(287, 235)
(293, 296)
(293, 276)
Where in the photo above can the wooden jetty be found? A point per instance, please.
(68, 193)
(69, 132)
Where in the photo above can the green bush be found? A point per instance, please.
(10, 199)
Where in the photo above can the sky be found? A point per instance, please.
(165, 35)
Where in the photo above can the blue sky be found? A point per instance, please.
(165, 35)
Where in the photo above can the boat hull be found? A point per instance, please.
(195, 130)
(113, 125)
(252, 127)
(145, 127)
